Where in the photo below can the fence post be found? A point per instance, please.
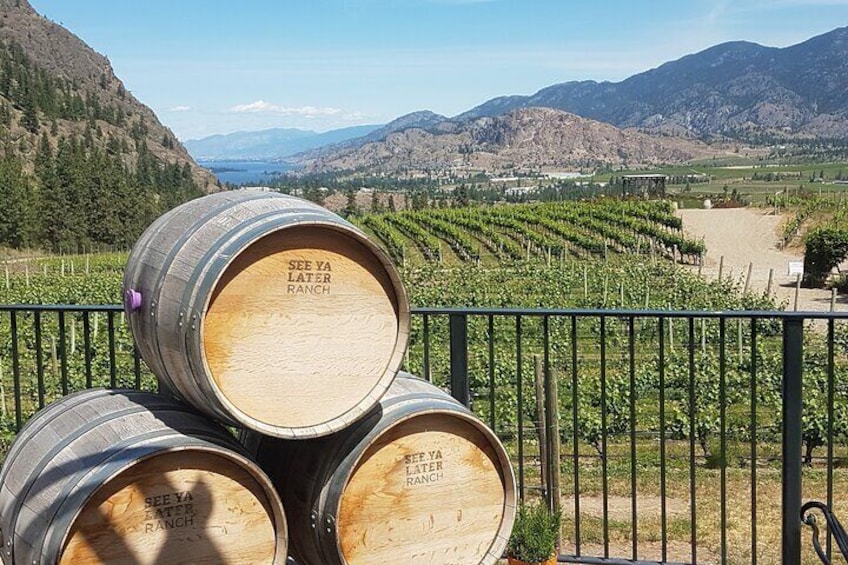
(793, 350)
(459, 358)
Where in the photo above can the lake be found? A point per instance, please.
(246, 172)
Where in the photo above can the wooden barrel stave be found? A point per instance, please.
(333, 487)
(82, 445)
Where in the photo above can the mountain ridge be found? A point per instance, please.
(724, 90)
(526, 138)
(269, 144)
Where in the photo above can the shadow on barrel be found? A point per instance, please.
(171, 526)
(133, 478)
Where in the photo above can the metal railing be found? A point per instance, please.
(685, 436)
(759, 427)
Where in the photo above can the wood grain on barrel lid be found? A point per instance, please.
(186, 506)
(301, 327)
(429, 491)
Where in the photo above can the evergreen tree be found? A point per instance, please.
(351, 207)
(29, 119)
(18, 212)
(376, 203)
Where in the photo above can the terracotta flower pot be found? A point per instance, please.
(551, 561)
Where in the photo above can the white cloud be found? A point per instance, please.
(180, 109)
(260, 106)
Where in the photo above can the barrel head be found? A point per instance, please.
(184, 506)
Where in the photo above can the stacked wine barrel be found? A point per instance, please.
(269, 314)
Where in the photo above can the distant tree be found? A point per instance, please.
(419, 200)
(392, 207)
(29, 119)
(460, 195)
(351, 207)
(376, 203)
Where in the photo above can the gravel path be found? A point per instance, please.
(750, 236)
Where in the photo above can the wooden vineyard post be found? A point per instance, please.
(748, 278)
(797, 290)
(54, 357)
(2, 392)
(770, 282)
(833, 299)
(739, 337)
(554, 447)
(670, 332)
(541, 423)
(720, 267)
(585, 282)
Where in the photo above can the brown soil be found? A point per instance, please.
(750, 236)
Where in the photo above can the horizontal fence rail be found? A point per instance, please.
(663, 436)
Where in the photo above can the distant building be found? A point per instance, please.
(645, 185)
(565, 175)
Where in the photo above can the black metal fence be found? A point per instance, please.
(663, 436)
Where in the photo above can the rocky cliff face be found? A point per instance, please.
(525, 138)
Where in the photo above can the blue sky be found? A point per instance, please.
(209, 66)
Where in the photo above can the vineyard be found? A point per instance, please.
(495, 235)
(647, 381)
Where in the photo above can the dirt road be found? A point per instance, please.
(746, 236)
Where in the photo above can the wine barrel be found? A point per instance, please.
(418, 480)
(267, 311)
(130, 477)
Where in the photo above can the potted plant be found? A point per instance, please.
(534, 536)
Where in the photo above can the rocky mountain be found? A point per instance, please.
(83, 162)
(270, 144)
(423, 119)
(732, 89)
(89, 93)
(526, 138)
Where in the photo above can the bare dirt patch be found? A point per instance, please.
(619, 507)
(750, 236)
